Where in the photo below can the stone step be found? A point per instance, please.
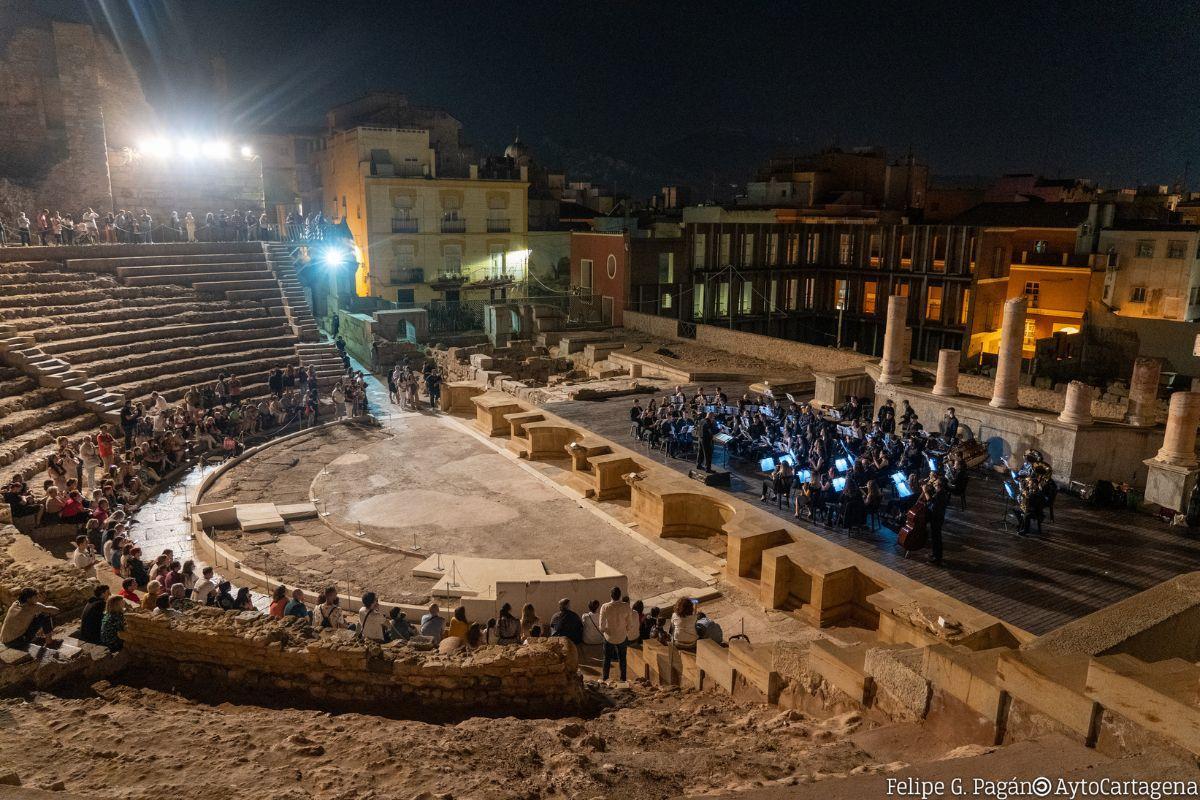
(220, 287)
(49, 366)
(202, 278)
(270, 293)
(11, 343)
(262, 320)
(62, 380)
(85, 390)
(190, 268)
(108, 264)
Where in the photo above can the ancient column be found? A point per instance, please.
(1179, 440)
(892, 364)
(1077, 409)
(1143, 391)
(1008, 368)
(947, 373)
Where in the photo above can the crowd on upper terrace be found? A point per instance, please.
(48, 227)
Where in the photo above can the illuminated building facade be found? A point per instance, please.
(424, 237)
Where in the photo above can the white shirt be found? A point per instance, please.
(683, 629)
(591, 628)
(204, 590)
(371, 623)
(83, 558)
(618, 622)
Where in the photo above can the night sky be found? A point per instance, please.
(639, 94)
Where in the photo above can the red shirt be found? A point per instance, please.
(130, 595)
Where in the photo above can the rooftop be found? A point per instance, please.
(1031, 214)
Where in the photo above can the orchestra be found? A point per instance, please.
(838, 466)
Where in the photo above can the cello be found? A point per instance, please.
(915, 533)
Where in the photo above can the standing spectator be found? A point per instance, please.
(146, 223)
(619, 625)
(89, 221)
(108, 232)
(23, 228)
(176, 228)
(68, 229)
(43, 226)
(189, 225)
(3, 233)
(56, 228)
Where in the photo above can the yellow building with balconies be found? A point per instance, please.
(424, 237)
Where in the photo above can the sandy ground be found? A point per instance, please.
(698, 358)
(141, 743)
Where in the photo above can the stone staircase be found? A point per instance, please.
(312, 351)
(32, 417)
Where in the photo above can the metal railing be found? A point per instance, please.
(404, 225)
(454, 226)
(497, 225)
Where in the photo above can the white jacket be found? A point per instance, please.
(618, 622)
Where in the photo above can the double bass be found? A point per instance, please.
(915, 533)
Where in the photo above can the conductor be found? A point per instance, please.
(705, 431)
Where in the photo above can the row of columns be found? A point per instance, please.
(1183, 414)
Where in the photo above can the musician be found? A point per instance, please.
(780, 483)
(886, 418)
(907, 416)
(937, 495)
(1030, 505)
(706, 429)
(951, 426)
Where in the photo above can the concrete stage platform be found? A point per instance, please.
(1087, 559)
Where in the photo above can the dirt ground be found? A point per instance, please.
(127, 742)
(698, 358)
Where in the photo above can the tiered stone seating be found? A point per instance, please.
(322, 356)
(31, 418)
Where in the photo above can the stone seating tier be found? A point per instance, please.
(134, 309)
(70, 338)
(244, 272)
(106, 360)
(37, 303)
(113, 264)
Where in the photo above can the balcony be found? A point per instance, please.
(408, 275)
(454, 225)
(493, 281)
(498, 225)
(1055, 259)
(448, 280)
(404, 225)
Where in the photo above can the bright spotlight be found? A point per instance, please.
(247, 151)
(216, 149)
(157, 148)
(333, 257)
(187, 148)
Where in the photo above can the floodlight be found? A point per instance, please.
(247, 151)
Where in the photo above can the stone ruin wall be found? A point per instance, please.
(255, 654)
(23, 563)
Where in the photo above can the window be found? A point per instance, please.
(997, 262)
(722, 299)
(1029, 340)
(747, 249)
(406, 256)
(1194, 296)
(810, 292)
(746, 301)
(906, 247)
(496, 266)
(844, 249)
(1032, 291)
(870, 293)
(939, 253)
(933, 303)
(793, 294)
(773, 296)
(585, 274)
(1145, 248)
(902, 288)
(666, 267)
(1176, 248)
(1137, 294)
(772, 254)
(726, 243)
(876, 247)
(699, 250)
(966, 307)
(405, 297)
(698, 301)
(452, 259)
(812, 247)
(1039, 246)
(610, 266)
(841, 288)
(793, 248)
(667, 300)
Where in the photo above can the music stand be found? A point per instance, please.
(1010, 499)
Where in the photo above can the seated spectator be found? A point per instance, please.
(458, 623)
(93, 615)
(372, 624)
(402, 629)
(468, 642)
(225, 598)
(529, 621)
(128, 592)
(73, 512)
(178, 598)
(84, 555)
(329, 613)
(243, 602)
(150, 598)
(508, 627)
(279, 601)
(112, 624)
(590, 624)
(683, 624)
(567, 623)
(205, 592)
(27, 621)
(707, 628)
(432, 624)
(295, 607)
(535, 633)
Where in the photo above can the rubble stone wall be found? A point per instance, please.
(23, 563)
(256, 654)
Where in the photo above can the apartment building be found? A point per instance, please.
(1151, 271)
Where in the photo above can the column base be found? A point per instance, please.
(1003, 402)
(1072, 419)
(941, 392)
(1169, 485)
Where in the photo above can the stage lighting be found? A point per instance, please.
(247, 151)
(188, 148)
(333, 257)
(157, 148)
(216, 149)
